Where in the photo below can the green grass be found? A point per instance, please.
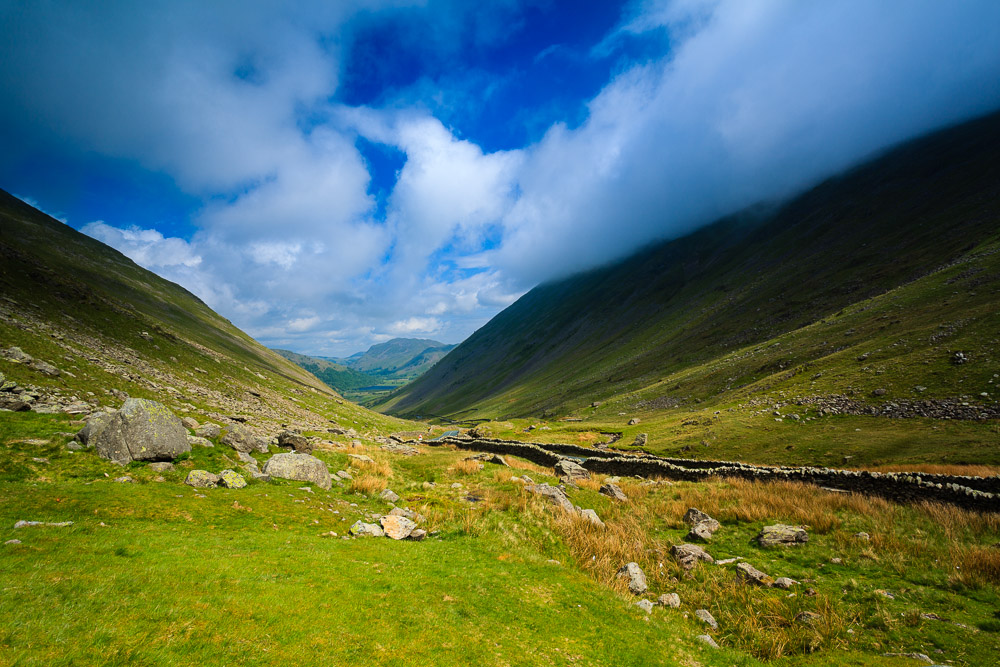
(153, 574)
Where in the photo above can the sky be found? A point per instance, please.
(330, 175)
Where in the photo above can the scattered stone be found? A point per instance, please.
(699, 533)
(669, 600)
(489, 458)
(688, 555)
(707, 639)
(591, 516)
(17, 355)
(397, 527)
(784, 583)
(913, 656)
(747, 573)
(807, 617)
(640, 440)
(242, 439)
(189, 423)
(124, 480)
(343, 474)
(12, 542)
(554, 495)
(863, 536)
(362, 529)
(782, 535)
(706, 617)
(161, 466)
(417, 535)
(636, 578)
(296, 441)
(201, 479)
(389, 496)
(198, 441)
(397, 448)
(836, 561)
(645, 605)
(299, 467)
(44, 524)
(361, 458)
(633, 421)
(612, 491)
(231, 479)
(208, 431)
(570, 472)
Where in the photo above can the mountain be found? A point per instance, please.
(110, 328)
(337, 376)
(398, 358)
(895, 261)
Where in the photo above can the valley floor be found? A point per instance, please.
(154, 572)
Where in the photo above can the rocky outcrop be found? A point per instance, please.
(142, 430)
(296, 441)
(242, 439)
(201, 479)
(299, 467)
(570, 472)
(781, 535)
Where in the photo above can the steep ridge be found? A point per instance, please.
(111, 328)
(739, 282)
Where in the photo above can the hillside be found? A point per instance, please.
(894, 262)
(337, 376)
(110, 328)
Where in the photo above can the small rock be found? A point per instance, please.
(706, 617)
(45, 524)
(807, 617)
(688, 555)
(591, 516)
(699, 533)
(208, 431)
(201, 479)
(389, 496)
(645, 605)
(913, 656)
(749, 574)
(417, 535)
(782, 535)
(669, 600)
(633, 421)
(397, 527)
(636, 578)
(231, 479)
(161, 466)
(198, 441)
(189, 423)
(12, 542)
(863, 536)
(362, 529)
(554, 495)
(641, 440)
(124, 480)
(612, 491)
(784, 583)
(707, 639)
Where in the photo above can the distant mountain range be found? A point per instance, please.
(371, 374)
(894, 263)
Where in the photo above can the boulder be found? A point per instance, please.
(208, 431)
(784, 583)
(612, 491)
(242, 439)
(591, 516)
(669, 600)
(417, 535)
(142, 430)
(695, 516)
(397, 527)
(689, 555)
(197, 441)
(782, 535)
(699, 533)
(95, 424)
(570, 472)
(300, 467)
(748, 574)
(17, 355)
(707, 639)
(633, 421)
(189, 423)
(389, 496)
(408, 513)
(296, 441)
(635, 576)
(362, 529)
(201, 479)
(554, 495)
(161, 466)
(231, 479)
(641, 440)
(44, 368)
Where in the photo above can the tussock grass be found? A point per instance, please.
(368, 484)
(465, 467)
(378, 466)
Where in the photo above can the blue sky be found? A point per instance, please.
(331, 175)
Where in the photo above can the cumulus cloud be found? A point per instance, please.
(236, 103)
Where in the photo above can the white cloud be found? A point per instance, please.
(147, 247)
(415, 325)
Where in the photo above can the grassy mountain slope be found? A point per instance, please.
(662, 324)
(345, 380)
(399, 358)
(111, 326)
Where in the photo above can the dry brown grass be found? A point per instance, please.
(465, 467)
(379, 466)
(368, 484)
(976, 566)
(521, 464)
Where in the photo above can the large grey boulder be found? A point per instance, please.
(95, 424)
(142, 430)
(242, 439)
(296, 441)
(362, 529)
(201, 479)
(300, 467)
(208, 431)
(397, 527)
(635, 576)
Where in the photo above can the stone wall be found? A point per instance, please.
(977, 493)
